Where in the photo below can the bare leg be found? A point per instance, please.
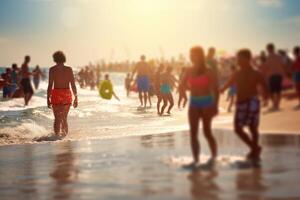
(255, 138)
(209, 136)
(231, 98)
(149, 99)
(194, 117)
(58, 114)
(244, 137)
(298, 92)
(165, 100)
(185, 100)
(159, 99)
(273, 99)
(141, 98)
(65, 113)
(171, 102)
(145, 99)
(179, 100)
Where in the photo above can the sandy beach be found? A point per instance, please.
(136, 164)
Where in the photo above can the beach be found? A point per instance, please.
(148, 167)
(115, 151)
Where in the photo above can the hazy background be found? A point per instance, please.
(91, 30)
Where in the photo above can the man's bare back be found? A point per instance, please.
(142, 69)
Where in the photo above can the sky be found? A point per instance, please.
(114, 30)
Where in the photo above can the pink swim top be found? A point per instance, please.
(199, 82)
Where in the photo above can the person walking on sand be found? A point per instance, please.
(296, 73)
(25, 81)
(59, 95)
(203, 85)
(167, 83)
(143, 80)
(247, 110)
(275, 71)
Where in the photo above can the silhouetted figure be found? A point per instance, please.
(157, 84)
(25, 81)
(37, 74)
(248, 106)
(7, 84)
(212, 62)
(204, 100)
(59, 95)
(275, 70)
(296, 73)
(127, 84)
(143, 80)
(231, 92)
(167, 83)
(182, 89)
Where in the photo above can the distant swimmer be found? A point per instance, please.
(37, 75)
(212, 61)
(182, 89)
(167, 83)
(25, 81)
(248, 106)
(127, 84)
(204, 100)
(106, 89)
(296, 73)
(156, 85)
(231, 92)
(6, 84)
(142, 69)
(59, 95)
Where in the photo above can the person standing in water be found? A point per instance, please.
(37, 74)
(212, 62)
(157, 84)
(127, 84)
(203, 85)
(167, 83)
(296, 73)
(143, 80)
(59, 95)
(231, 92)
(182, 89)
(247, 110)
(275, 71)
(25, 81)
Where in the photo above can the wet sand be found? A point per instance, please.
(149, 167)
(285, 121)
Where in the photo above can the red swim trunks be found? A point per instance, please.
(61, 97)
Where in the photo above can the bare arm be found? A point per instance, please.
(263, 84)
(73, 85)
(230, 81)
(215, 87)
(50, 86)
(134, 72)
(74, 89)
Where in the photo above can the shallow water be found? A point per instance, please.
(94, 118)
(148, 167)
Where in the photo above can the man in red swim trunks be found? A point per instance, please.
(59, 95)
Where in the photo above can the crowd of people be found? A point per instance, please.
(243, 75)
(16, 82)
